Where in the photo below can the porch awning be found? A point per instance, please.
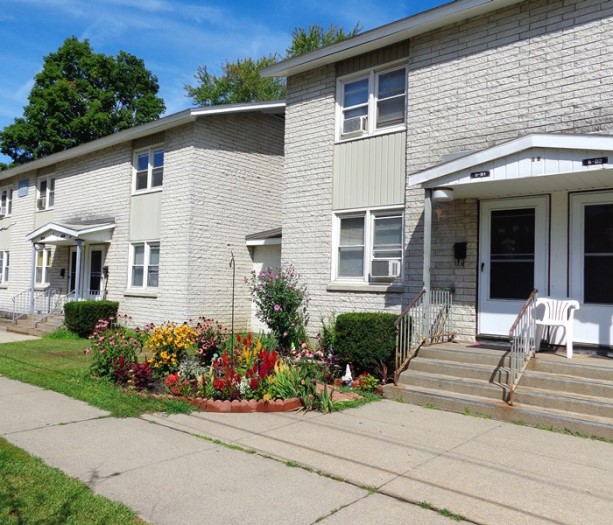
(267, 237)
(539, 163)
(66, 234)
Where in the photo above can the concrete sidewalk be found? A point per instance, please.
(488, 471)
(171, 477)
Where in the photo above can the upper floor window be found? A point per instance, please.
(368, 246)
(145, 264)
(45, 193)
(6, 202)
(149, 169)
(373, 102)
(4, 266)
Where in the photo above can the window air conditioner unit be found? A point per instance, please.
(355, 125)
(41, 203)
(384, 269)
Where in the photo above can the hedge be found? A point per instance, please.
(81, 317)
(366, 340)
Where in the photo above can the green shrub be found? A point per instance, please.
(366, 340)
(81, 317)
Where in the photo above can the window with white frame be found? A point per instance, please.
(4, 266)
(6, 202)
(148, 169)
(372, 102)
(145, 264)
(369, 246)
(43, 266)
(45, 193)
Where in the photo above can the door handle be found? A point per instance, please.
(482, 266)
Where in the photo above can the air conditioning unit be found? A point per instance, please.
(41, 203)
(355, 125)
(384, 269)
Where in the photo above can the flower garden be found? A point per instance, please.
(200, 361)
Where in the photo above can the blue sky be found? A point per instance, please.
(173, 37)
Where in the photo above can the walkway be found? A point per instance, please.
(392, 456)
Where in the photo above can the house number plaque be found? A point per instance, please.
(480, 174)
(595, 161)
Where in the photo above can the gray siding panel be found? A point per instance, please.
(369, 172)
(145, 216)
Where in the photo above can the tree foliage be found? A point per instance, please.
(241, 82)
(80, 96)
(311, 39)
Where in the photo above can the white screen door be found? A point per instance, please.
(591, 266)
(514, 252)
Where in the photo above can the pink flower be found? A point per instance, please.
(277, 308)
(87, 351)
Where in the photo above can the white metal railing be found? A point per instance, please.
(37, 303)
(47, 302)
(523, 342)
(427, 320)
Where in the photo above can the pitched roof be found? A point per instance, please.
(386, 35)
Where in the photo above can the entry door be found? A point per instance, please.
(95, 272)
(72, 270)
(591, 266)
(514, 251)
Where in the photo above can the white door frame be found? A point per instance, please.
(495, 316)
(593, 322)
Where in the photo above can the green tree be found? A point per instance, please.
(80, 96)
(307, 40)
(240, 81)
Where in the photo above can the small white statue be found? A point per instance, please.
(347, 378)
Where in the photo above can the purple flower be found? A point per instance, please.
(277, 308)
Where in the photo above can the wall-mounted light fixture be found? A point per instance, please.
(442, 194)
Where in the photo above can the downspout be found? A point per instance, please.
(33, 280)
(427, 258)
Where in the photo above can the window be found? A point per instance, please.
(369, 246)
(374, 102)
(46, 194)
(145, 265)
(6, 202)
(148, 169)
(43, 266)
(4, 266)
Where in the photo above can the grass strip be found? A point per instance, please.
(59, 365)
(31, 492)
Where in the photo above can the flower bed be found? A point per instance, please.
(196, 362)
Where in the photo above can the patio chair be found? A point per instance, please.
(557, 313)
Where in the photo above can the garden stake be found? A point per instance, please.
(233, 266)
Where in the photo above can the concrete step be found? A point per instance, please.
(571, 402)
(595, 367)
(562, 420)
(453, 384)
(467, 355)
(569, 384)
(460, 369)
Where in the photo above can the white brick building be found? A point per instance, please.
(148, 216)
(508, 106)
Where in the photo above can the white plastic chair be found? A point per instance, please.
(557, 312)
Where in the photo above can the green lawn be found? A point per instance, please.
(34, 493)
(59, 365)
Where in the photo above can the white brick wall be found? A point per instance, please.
(222, 181)
(538, 66)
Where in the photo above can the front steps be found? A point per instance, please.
(28, 327)
(564, 394)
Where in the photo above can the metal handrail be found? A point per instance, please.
(34, 302)
(427, 319)
(523, 343)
